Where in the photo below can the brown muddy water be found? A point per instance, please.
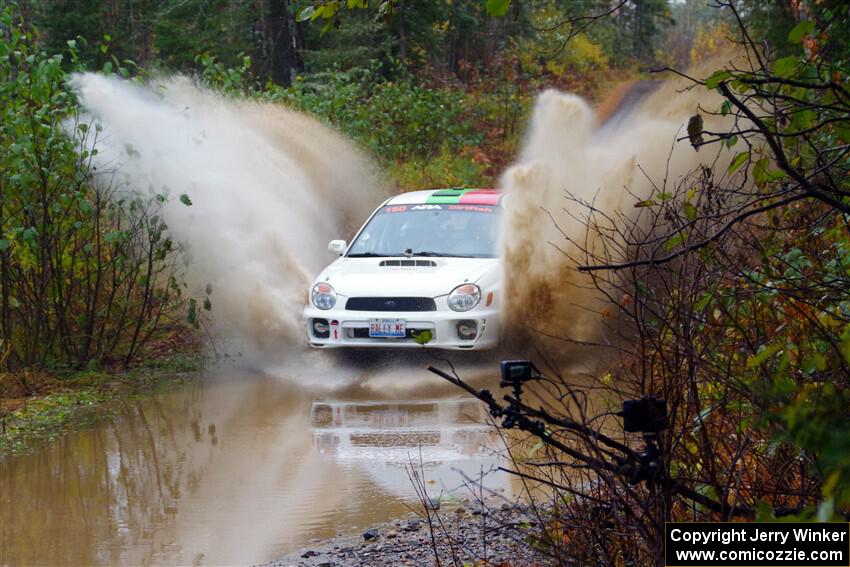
(241, 467)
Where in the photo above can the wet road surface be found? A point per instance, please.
(241, 467)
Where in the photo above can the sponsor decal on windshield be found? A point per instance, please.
(393, 209)
(475, 201)
(471, 208)
(464, 208)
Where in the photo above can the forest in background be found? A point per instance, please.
(437, 91)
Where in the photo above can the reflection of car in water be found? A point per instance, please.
(385, 437)
(445, 429)
(423, 269)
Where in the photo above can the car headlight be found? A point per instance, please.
(323, 296)
(464, 297)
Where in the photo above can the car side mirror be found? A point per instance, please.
(337, 246)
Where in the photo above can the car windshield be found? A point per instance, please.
(466, 231)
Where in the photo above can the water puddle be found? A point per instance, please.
(239, 468)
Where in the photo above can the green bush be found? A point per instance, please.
(87, 274)
(396, 120)
(447, 169)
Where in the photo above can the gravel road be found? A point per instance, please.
(494, 535)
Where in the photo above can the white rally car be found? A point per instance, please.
(423, 270)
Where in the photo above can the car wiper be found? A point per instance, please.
(443, 254)
(369, 255)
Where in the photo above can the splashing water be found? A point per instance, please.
(269, 188)
(567, 159)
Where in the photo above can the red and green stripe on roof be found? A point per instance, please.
(464, 197)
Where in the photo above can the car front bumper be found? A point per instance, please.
(352, 328)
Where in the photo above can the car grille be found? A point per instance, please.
(409, 263)
(391, 304)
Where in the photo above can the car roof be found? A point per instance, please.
(448, 197)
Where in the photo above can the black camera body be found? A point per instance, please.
(518, 371)
(646, 415)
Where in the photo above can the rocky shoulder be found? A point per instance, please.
(492, 535)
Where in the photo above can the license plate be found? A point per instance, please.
(387, 328)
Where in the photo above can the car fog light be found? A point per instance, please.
(323, 296)
(321, 330)
(467, 329)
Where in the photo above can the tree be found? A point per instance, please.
(282, 42)
(642, 20)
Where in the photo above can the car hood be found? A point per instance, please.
(432, 277)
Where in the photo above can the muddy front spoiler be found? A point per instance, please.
(447, 329)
